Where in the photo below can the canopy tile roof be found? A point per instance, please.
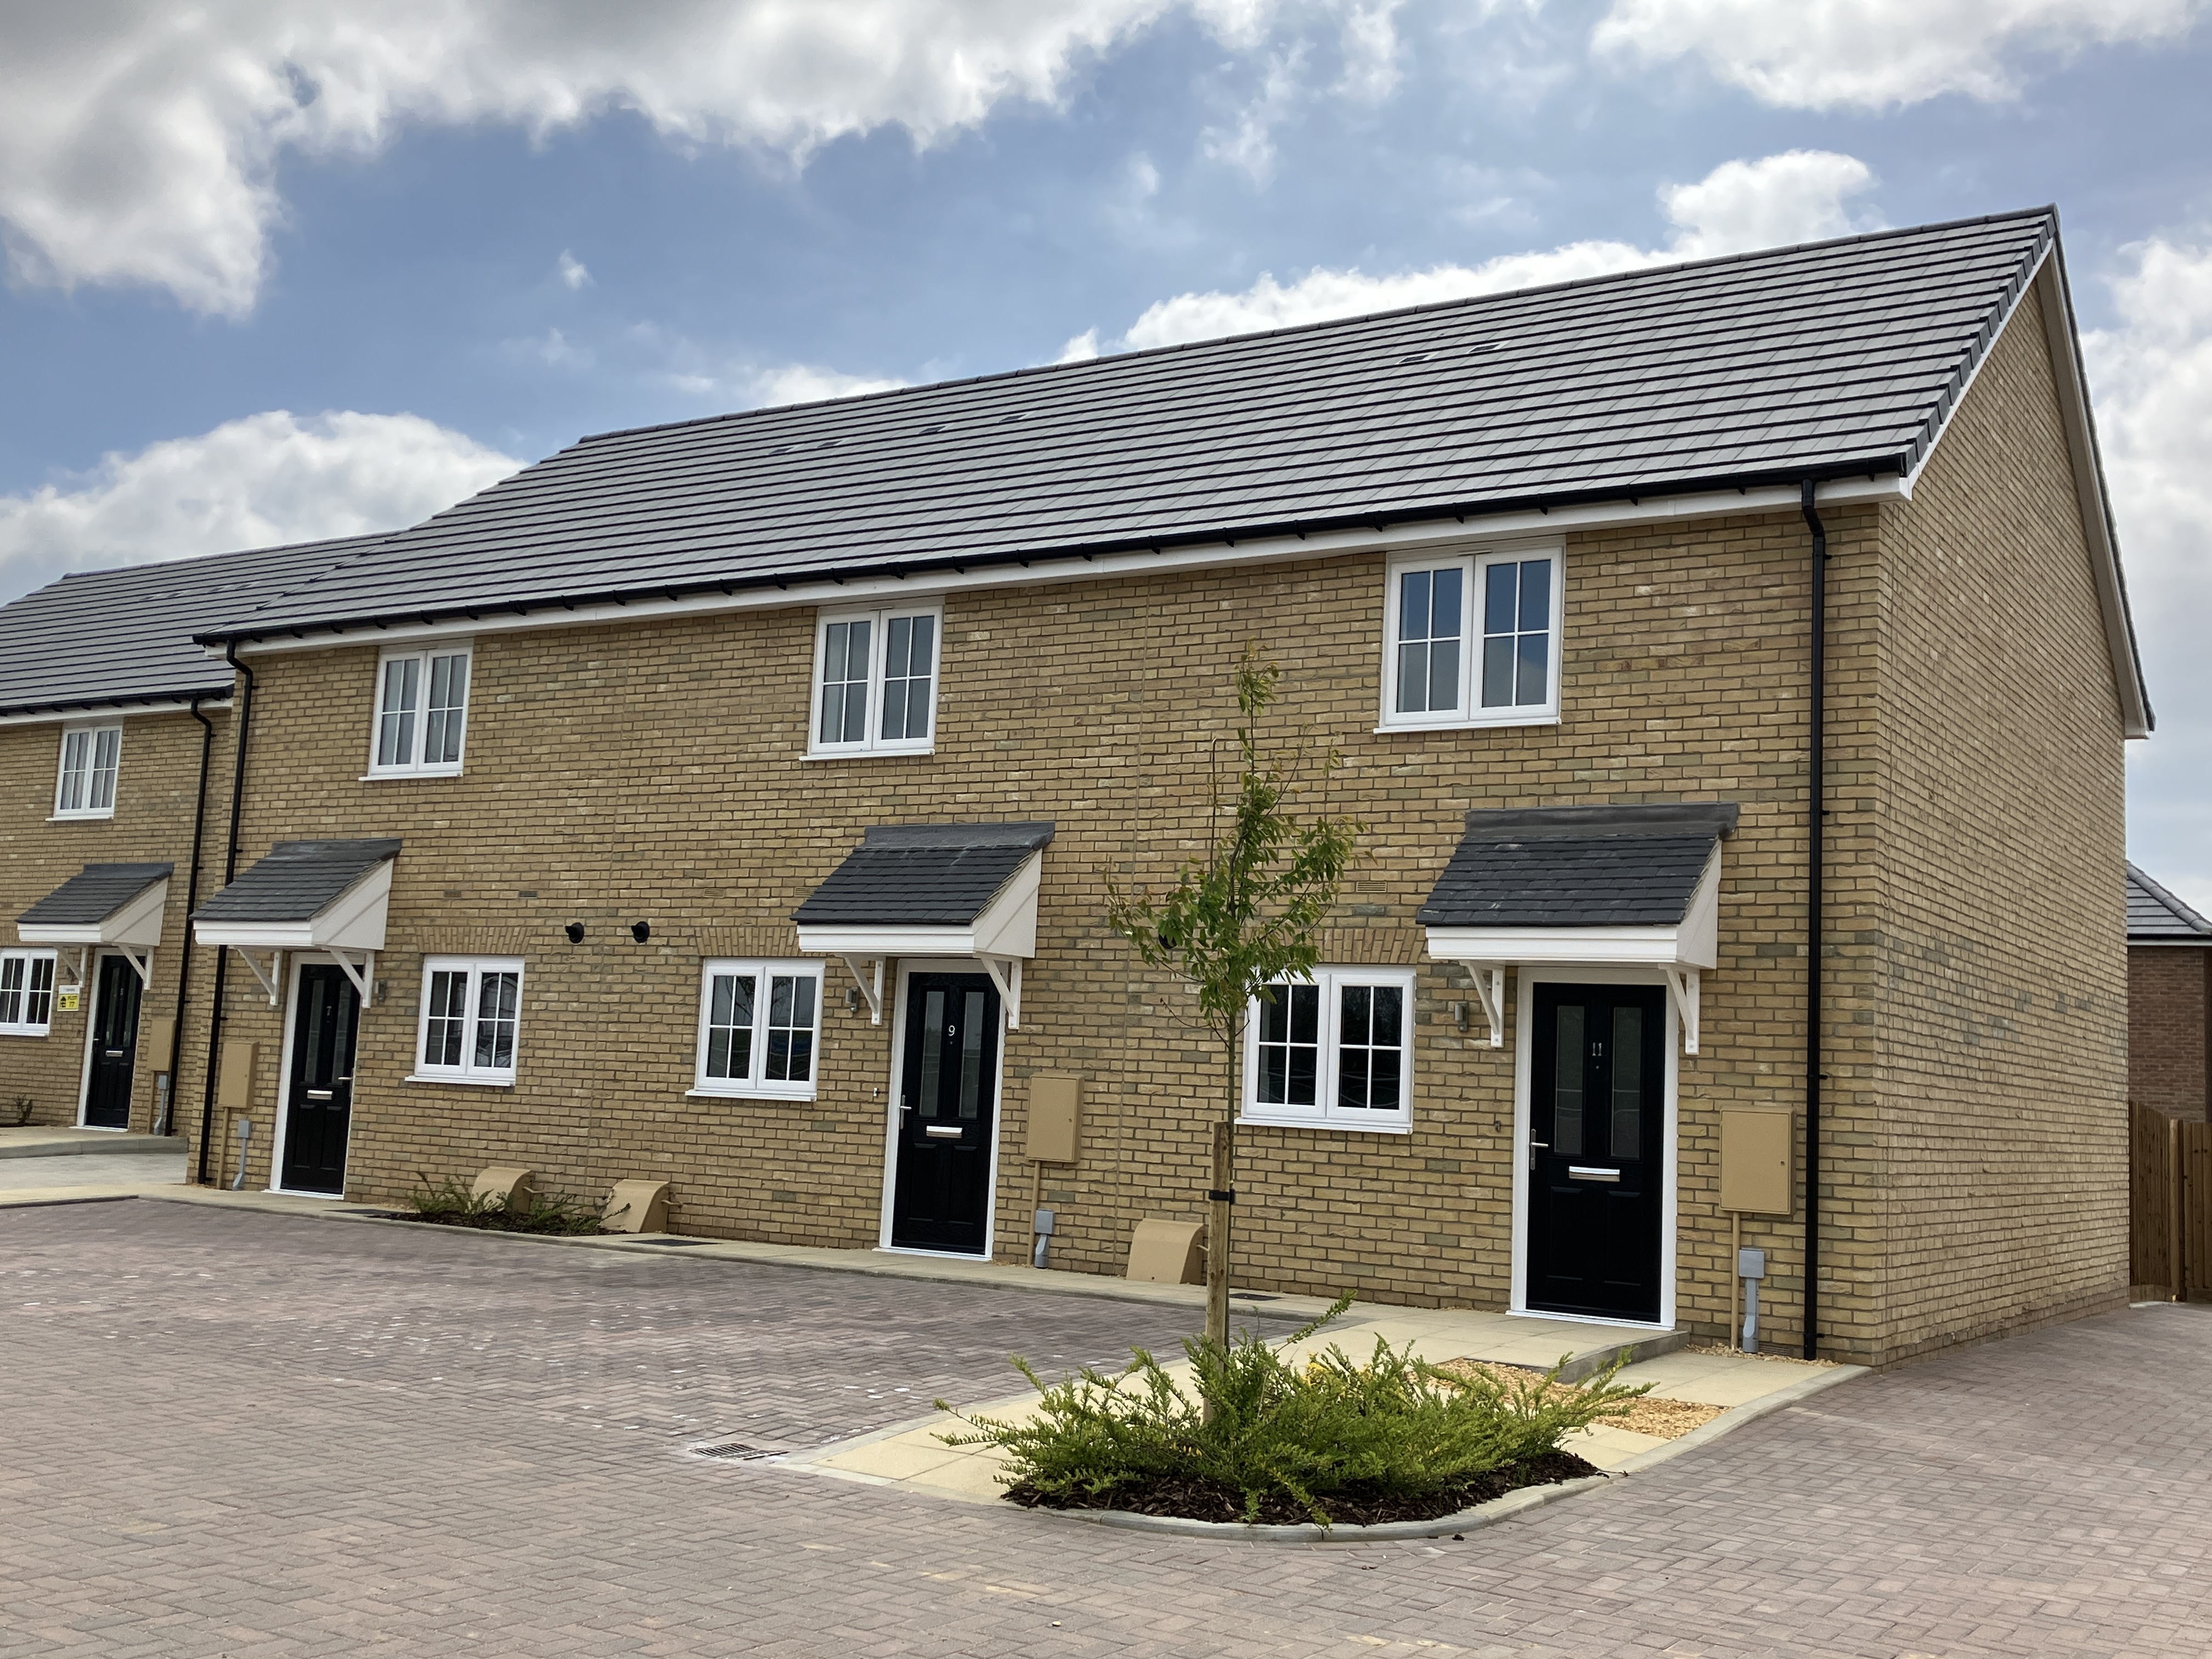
(296, 881)
(93, 894)
(922, 875)
(1577, 867)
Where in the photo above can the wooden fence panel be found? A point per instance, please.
(2169, 1203)
(2195, 1149)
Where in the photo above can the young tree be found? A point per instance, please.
(1240, 919)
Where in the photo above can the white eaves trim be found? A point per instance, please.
(1472, 532)
(137, 923)
(352, 921)
(112, 710)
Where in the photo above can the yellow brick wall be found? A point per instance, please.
(157, 782)
(1996, 957)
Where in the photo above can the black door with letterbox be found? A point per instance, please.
(318, 1094)
(1597, 1151)
(114, 1045)
(942, 1195)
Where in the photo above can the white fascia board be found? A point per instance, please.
(868, 943)
(1473, 532)
(1551, 947)
(94, 712)
(137, 923)
(354, 920)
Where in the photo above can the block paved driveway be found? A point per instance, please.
(225, 1432)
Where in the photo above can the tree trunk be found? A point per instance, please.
(1222, 1200)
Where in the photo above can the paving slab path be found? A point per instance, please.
(230, 1432)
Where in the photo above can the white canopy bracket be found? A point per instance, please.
(872, 986)
(1490, 986)
(271, 980)
(1682, 991)
(144, 962)
(76, 979)
(363, 977)
(1007, 974)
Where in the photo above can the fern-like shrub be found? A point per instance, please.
(1258, 1424)
(453, 1204)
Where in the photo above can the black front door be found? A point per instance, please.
(1597, 1154)
(942, 1195)
(114, 1045)
(319, 1095)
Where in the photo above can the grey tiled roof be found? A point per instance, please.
(1577, 867)
(94, 894)
(106, 637)
(296, 881)
(922, 875)
(1833, 358)
(2156, 915)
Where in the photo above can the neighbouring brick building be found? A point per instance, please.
(2169, 1002)
(735, 803)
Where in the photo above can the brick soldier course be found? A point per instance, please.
(623, 769)
(234, 1433)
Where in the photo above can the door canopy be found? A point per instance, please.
(1584, 886)
(931, 889)
(325, 895)
(116, 905)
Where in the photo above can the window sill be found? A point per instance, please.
(464, 1082)
(26, 1031)
(868, 754)
(1393, 1127)
(423, 772)
(1459, 723)
(748, 1094)
(107, 817)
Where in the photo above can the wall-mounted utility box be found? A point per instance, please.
(1759, 1160)
(233, 1089)
(157, 1044)
(1055, 1118)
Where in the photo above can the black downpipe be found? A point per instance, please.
(244, 730)
(1815, 870)
(191, 903)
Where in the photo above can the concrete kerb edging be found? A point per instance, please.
(104, 1145)
(1736, 1416)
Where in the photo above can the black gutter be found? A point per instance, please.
(1870, 466)
(191, 903)
(1816, 814)
(244, 730)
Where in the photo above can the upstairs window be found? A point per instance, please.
(471, 1020)
(26, 992)
(1474, 641)
(422, 711)
(90, 757)
(1332, 1051)
(759, 1028)
(875, 682)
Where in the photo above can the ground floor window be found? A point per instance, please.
(1332, 1049)
(26, 992)
(759, 1028)
(472, 1019)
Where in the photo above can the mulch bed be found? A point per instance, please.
(493, 1222)
(1209, 1500)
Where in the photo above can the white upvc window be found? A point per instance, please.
(422, 711)
(471, 1022)
(1473, 640)
(26, 992)
(875, 681)
(759, 1029)
(91, 756)
(1332, 1051)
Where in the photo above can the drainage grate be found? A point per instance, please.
(735, 1451)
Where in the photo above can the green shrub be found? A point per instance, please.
(1262, 1425)
(454, 1204)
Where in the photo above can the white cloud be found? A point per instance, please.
(1248, 145)
(803, 383)
(1871, 54)
(1370, 50)
(2153, 377)
(259, 482)
(1080, 348)
(140, 140)
(1795, 196)
(572, 272)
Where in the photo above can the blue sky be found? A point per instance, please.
(280, 269)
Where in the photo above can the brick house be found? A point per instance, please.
(734, 803)
(2169, 1002)
(115, 738)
